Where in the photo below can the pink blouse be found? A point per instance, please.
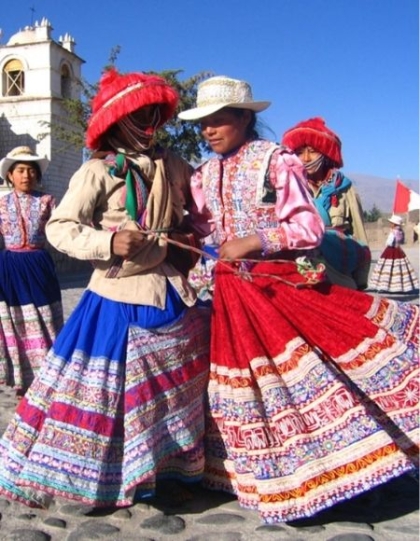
(259, 189)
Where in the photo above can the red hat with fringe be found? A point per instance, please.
(120, 95)
(314, 133)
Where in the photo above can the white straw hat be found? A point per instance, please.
(22, 154)
(219, 92)
(397, 220)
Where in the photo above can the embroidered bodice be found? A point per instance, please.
(261, 189)
(395, 237)
(23, 217)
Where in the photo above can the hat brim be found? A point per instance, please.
(201, 112)
(394, 222)
(6, 163)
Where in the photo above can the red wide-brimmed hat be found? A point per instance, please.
(313, 132)
(120, 95)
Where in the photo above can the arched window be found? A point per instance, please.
(65, 81)
(13, 78)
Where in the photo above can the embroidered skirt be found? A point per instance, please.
(113, 408)
(31, 314)
(393, 272)
(313, 393)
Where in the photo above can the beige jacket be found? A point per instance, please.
(92, 209)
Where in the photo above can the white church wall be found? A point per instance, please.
(24, 119)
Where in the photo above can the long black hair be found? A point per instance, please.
(257, 128)
(251, 129)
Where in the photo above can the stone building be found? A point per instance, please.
(37, 74)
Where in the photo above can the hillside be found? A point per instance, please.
(377, 191)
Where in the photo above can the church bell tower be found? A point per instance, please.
(36, 75)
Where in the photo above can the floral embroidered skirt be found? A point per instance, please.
(114, 408)
(393, 272)
(31, 314)
(313, 392)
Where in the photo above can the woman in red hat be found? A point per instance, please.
(313, 388)
(117, 407)
(344, 246)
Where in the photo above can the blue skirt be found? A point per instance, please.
(28, 278)
(31, 314)
(114, 408)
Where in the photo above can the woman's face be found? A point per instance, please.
(23, 176)
(146, 118)
(135, 131)
(225, 130)
(310, 158)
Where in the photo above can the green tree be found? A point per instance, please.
(183, 138)
(372, 215)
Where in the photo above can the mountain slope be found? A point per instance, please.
(377, 191)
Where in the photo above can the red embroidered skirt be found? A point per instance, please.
(313, 392)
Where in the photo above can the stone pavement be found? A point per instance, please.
(388, 513)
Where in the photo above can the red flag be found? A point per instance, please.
(405, 199)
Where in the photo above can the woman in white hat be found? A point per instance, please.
(393, 272)
(309, 382)
(228, 116)
(31, 313)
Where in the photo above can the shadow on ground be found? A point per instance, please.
(390, 501)
(201, 500)
(387, 502)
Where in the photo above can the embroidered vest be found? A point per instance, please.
(238, 190)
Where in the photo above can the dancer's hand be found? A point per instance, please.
(240, 248)
(127, 243)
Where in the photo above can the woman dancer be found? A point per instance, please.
(393, 272)
(31, 312)
(313, 392)
(117, 407)
(344, 246)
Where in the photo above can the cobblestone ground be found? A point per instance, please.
(389, 513)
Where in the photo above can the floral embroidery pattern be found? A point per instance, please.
(23, 218)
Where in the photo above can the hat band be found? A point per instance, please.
(315, 131)
(218, 100)
(122, 93)
(225, 93)
(18, 153)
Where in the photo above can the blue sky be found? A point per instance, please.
(353, 62)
